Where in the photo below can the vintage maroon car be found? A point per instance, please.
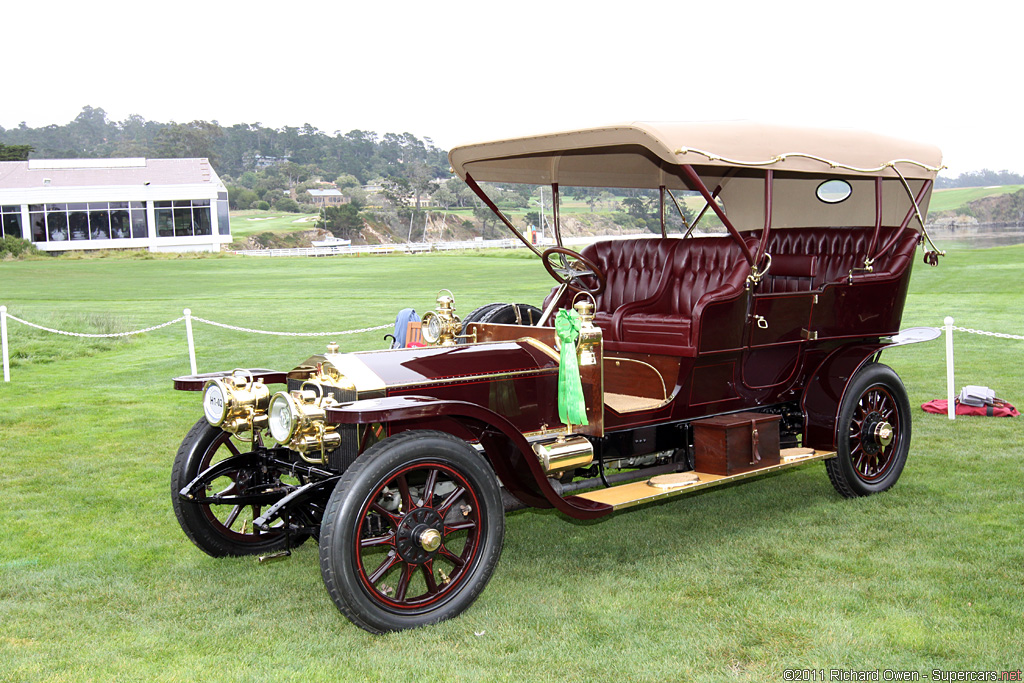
(655, 368)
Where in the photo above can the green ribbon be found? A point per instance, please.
(572, 408)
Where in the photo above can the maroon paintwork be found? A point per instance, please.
(696, 315)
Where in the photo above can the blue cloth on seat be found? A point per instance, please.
(405, 316)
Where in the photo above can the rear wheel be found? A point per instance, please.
(412, 532)
(513, 314)
(873, 437)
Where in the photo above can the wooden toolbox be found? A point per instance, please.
(740, 442)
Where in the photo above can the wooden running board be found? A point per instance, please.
(638, 492)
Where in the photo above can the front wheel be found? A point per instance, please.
(873, 437)
(412, 532)
(219, 521)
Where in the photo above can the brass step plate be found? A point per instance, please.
(638, 492)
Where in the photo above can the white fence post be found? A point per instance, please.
(191, 341)
(950, 384)
(3, 342)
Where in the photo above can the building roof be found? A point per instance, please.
(99, 172)
(324, 193)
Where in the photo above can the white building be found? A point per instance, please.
(158, 204)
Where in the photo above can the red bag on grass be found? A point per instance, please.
(1000, 409)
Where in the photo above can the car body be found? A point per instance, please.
(656, 367)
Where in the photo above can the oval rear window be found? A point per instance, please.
(834, 191)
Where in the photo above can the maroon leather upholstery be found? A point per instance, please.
(805, 259)
(656, 288)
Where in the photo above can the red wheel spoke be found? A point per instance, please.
(403, 490)
(428, 488)
(428, 576)
(231, 447)
(448, 555)
(442, 509)
(377, 540)
(459, 526)
(403, 581)
(387, 564)
(392, 519)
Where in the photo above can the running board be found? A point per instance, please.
(637, 493)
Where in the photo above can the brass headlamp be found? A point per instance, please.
(298, 419)
(441, 326)
(236, 403)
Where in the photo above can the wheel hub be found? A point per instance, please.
(877, 434)
(419, 535)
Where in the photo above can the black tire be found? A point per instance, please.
(475, 316)
(376, 565)
(513, 314)
(219, 530)
(865, 463)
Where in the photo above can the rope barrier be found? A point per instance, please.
(989, 334)
(187, 318)
(950, 384)
(291, 334)
(95, 336)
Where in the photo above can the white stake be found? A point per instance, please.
(3, 342)
(950, 385)
(191, 341)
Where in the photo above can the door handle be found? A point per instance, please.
(762, 322)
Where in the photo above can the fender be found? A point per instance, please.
(507, 450)
(824, 391)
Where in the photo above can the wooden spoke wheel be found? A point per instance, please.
(873, 433)
(412, 532)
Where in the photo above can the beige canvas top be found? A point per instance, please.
(642, 154)
(730, 155)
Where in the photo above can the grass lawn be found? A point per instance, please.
(246, 223)
(958, 197)
(97, 581)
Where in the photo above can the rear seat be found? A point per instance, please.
(807, 259)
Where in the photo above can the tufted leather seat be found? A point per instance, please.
(657, 288)
(805, 259)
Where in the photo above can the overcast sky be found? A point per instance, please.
(938, 72)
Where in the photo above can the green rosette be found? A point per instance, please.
(572, 408)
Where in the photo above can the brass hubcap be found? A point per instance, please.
(883, 434)
(430, 540)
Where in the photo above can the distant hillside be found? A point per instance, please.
(1003, 205)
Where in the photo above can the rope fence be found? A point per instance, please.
(950, 382)
(187, 318)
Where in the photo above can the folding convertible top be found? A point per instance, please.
(642, 154)
(733, 157)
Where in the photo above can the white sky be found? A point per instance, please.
(454, 71)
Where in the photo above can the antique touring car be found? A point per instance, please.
(655, 367)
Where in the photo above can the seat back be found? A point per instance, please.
(634, 269)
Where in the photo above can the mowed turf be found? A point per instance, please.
(97, 582)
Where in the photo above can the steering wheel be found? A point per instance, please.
(569, 268)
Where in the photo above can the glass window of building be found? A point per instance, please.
(10, 216)
(138, 214)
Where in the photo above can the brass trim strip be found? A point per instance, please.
(474, 378)
(637, 493)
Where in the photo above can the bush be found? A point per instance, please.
(15, 247)
(286, 204)
(262, 206)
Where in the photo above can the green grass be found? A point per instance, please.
(246, 223)
(97, 582)
(957, 198)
